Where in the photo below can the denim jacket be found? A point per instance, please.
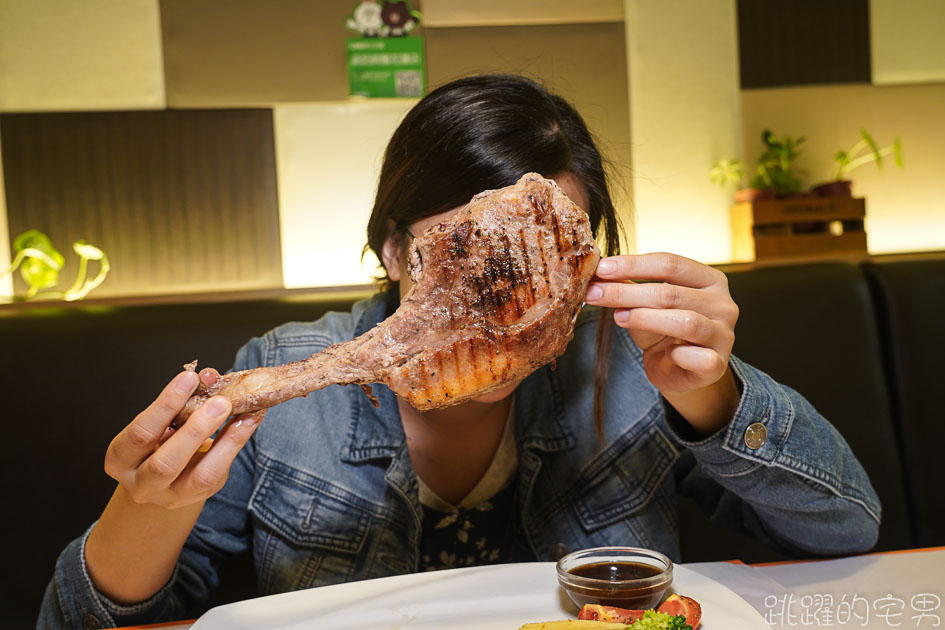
(325, 493)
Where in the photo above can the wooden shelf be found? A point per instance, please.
(308, 293)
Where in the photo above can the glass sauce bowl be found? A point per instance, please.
(625, 577)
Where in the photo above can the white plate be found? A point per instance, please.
(481, 598)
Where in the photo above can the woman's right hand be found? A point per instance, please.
(174, 468)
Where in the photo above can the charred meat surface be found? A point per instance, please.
(498, 288)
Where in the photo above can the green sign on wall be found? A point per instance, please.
(386, 67)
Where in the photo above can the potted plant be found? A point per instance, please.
(775, 174)
(866, 150)
(40, 263)
(727, 172)
(776, 169)
(776, 217)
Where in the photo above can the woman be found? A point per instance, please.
(330, 489)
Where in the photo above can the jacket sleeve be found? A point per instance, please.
(780, 471)
(223, 528)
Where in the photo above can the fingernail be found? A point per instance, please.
(186, 382)
(621, 316)
(217, 406)
(594, 293)
(606, 267)
(247, 421)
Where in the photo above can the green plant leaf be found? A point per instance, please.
(40, 263)
(897, 152)
(874, 154)
(30, 252)
(85, 250)
(34, 239)
(873, 147)
(776, 166)
(725, 172)
(39, 274)
(40, 268)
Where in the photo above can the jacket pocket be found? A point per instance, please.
(627, 479)
(309, 532)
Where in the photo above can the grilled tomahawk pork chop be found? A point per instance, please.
(498, 289)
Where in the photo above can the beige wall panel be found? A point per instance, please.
(220, 53)
(497, 12)
(67, 55)
(684, 109)
(584, 63)
(905, 209)
(328, 158)
(907, 40)
(6, 282)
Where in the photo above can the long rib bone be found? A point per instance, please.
(498, 289)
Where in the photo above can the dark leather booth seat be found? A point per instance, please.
(911, 300)
(862, 342)
(73, 377)
(814, 328)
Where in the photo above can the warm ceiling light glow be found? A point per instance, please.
(328, 157)
(684, 116)
(691, 221)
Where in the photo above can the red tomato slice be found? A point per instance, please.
(682, 605)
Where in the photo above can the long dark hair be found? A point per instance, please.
(484, 132)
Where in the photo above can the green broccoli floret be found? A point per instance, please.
(652, 620)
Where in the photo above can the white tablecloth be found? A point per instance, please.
(891, 590)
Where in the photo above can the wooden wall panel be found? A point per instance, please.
(584, 63)
(181, 201)
(225, 53)
(504, 13)
(907, 42)
(802, 42)
(63, 55)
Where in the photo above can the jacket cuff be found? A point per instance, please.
(79, 601)
(754, 436)
(85, 606)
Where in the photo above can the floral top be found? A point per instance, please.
(480, 530)
(466, 537)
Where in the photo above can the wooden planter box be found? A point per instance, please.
(798, 228)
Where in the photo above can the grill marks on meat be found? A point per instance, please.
(498, 287)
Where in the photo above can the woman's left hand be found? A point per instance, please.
(684, 323)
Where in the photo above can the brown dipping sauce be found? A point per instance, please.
(635, 597)
(616, 571)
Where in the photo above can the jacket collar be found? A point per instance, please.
(376, 433)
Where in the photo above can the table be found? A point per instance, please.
(900, 589)
(904, 589)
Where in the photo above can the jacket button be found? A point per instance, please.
(755, 436)
(557, 551)
(90, 622)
